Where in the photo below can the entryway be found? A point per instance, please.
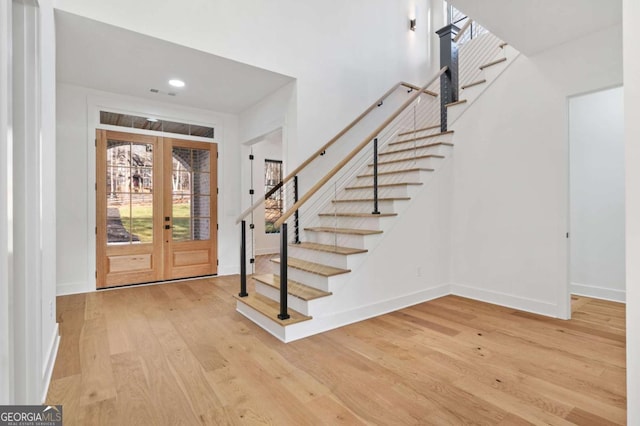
(156, 208)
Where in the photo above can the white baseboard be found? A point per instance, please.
(361, 313)
(50, 362)
(598, 292)
(64, 289)
(503, 299)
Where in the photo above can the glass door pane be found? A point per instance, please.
(129, 192)
(191, 204)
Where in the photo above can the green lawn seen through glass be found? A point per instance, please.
(142, 221)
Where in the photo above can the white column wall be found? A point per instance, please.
(596, 165)
(631, 41)
(28, 331)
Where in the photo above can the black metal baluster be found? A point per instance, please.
(375, 177)
(243, 260)
(296, 217)
(283, 315)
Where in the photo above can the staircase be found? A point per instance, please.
(344, 232)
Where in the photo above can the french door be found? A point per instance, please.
(156, 208)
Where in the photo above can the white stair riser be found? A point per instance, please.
(417, 134)
(322, 257)
(408, 176)
(383, 192)
(304, 277)
(343, 240)
(472, 93)
(455, 111)
(408, 142)
(293, 302)
(421, 163)
(365, 207)
(373, 223)
(415, 151)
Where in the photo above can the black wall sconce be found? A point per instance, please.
(412, 24)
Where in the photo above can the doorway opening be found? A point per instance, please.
(597, 200)
(156, 208)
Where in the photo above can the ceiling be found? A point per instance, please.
(532, 26)
(103, 57)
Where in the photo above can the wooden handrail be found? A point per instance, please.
(355, 151)
(464, 29)
(331, 142)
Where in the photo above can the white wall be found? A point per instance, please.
(77, 120)
(343, 54)
(632, 152)
(510, 201)
(596, 165)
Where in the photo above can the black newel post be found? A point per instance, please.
(284, 314)
(243, 260)
(448, 80)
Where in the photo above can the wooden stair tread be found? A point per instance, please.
(400, 160)
(338, 214)
(393, 172)
(492, 63)
(369, 200)
(314, 268)
(271, 309)
(475, 83)
(422, 137)
(349, 231)
(435, 126)
(429, 145)
(383, 185)
(330, 248)
(460, 102)
(294, 288)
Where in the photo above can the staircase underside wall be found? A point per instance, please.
(510, 182)
(409, 265)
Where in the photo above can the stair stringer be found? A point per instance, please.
(386, 280)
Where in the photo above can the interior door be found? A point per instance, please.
(190, 207)
(128, 208)
(156, 201)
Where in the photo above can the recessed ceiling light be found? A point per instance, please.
(176, 83)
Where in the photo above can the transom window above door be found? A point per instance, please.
(155, 124)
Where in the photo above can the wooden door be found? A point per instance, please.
(156, 201)
(128, 208)
(190, 207)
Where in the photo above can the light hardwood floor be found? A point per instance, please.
(179, 354)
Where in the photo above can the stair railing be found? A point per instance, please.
(290, 184)
(414, 120)
(415, 112)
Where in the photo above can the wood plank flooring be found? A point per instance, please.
(179, 354)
